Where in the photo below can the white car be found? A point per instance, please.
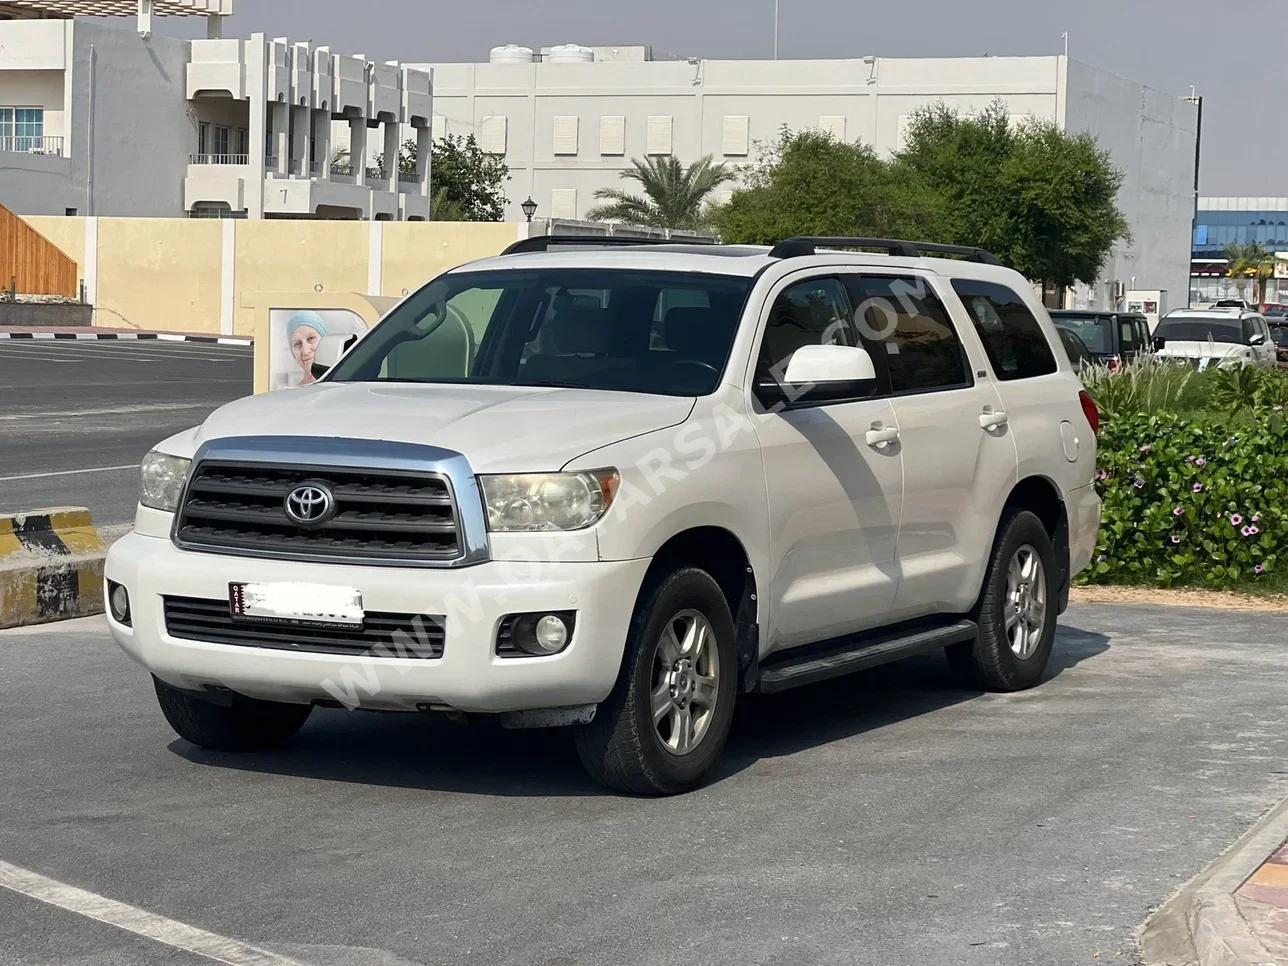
(613, 488)
(1222, 337)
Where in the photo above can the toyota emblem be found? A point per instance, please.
(310, 505)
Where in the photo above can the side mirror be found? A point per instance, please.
(1258, 338)
(820, 374)
(1159, 344)
(330, 349)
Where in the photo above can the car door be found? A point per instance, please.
(959, 460)
(834, 477)
(1266, 351)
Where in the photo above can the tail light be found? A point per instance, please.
(1090, 411)
(1114, 364)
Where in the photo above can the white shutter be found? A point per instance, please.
(565, 135)
(563, 203)
(612, 135)
(659, 135)
(833, 124)
(736, 135)
(901, 137)
(440, 127)
(494, 132)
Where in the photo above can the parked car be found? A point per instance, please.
(816, 469)
(1079, 355)
(1222, 337)
(1279, 336)
(1112, 338)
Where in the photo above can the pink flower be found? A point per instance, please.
(1146, 448)
(1189, 459)
(1179, 511)
(1253, 531)
(1258, 570)
(1235, 519)
(1198, 487)
(1139, 484)
(1102, 475)
(1248, 531)
(1175, 539)
(1256, 518)
(1200, 462)
(1279, 409)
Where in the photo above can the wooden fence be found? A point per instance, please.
(38, 265)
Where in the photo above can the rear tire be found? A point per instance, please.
(248, 725)
(1017, 610)
(667, 720)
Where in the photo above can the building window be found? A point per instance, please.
(565, 136)
(439, 130)
(834, 124)
(563, 203)
(494, 135)
(22, 128)
(736, 135)
(658, 143)
(612, 135)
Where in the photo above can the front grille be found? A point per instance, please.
(379, 515)
(381, 635)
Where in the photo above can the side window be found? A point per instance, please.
(1249, 329)
(1127, 336)
(1016, 345)
(907, 325)
(448, 351)
(813, 312)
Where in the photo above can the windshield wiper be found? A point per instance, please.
(557, 385)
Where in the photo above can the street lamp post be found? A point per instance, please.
(529, 208)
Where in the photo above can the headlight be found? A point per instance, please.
(548, 501)
(163, 478)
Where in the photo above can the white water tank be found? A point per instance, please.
(571, 54)
(511, 54)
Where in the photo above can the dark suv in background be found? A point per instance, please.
(1111, 338)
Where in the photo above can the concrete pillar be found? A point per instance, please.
(322, 143)
(392, 131)
(281, 136)
(214, 27)
(301, 131)
(424, 157)
(358, 149)
(256, 84)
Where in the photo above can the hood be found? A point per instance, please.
(1200, 350)
(499, 429)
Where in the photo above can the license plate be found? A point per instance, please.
(296, 603)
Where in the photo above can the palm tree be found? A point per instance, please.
(674, 196)
(1251, 261)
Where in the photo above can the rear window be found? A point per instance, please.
(1095, 331)
(1016, 345)
(1229, 331)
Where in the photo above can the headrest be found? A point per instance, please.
(699, 334)
(579, 329)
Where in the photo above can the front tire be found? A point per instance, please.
(247, 725)
(668, 718)
(1017, 610)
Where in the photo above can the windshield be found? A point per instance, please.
(1095, 331)
(1198, 330)
(667, 333)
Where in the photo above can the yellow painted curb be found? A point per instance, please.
(51, 566)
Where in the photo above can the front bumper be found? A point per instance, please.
(468, 677)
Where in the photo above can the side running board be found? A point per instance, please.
(859, 653)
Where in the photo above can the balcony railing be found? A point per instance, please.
(218, 159)
(270, 162)
(25, 144)
(377, 174)
(339, 170)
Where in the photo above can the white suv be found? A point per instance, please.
(1225, 337)
(615, 487)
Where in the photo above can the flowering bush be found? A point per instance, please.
(1189, 500)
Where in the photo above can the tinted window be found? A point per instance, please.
(1198, 330)
(1073, 347)
(1095, 331)
(814, 312)
(1279, 334)
(904, 321)
(1012, 337)
(1129, 339)
(649, 332)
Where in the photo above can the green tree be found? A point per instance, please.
(674, 196)
(466, 183)
(809, 183)
(1251, 262)
(1043, 200)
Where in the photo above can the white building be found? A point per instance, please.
(107, 120)
(570, 119)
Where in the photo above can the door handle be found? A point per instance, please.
(880, 437)
(992, 420)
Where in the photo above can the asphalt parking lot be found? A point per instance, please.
(890, 818)
(77, 417)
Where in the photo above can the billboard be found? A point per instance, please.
(294, 335)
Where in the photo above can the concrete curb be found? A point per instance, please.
(51, 566)
(1202, 925)
(124, 337)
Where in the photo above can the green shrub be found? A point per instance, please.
(1189, 500)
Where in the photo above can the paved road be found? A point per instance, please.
(69, 407)
(882, 820)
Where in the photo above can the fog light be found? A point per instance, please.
(535, 635)
(118, 602)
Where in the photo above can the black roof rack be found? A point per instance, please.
(799, 247)
(543, 243)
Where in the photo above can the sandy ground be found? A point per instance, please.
(1178, 598)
